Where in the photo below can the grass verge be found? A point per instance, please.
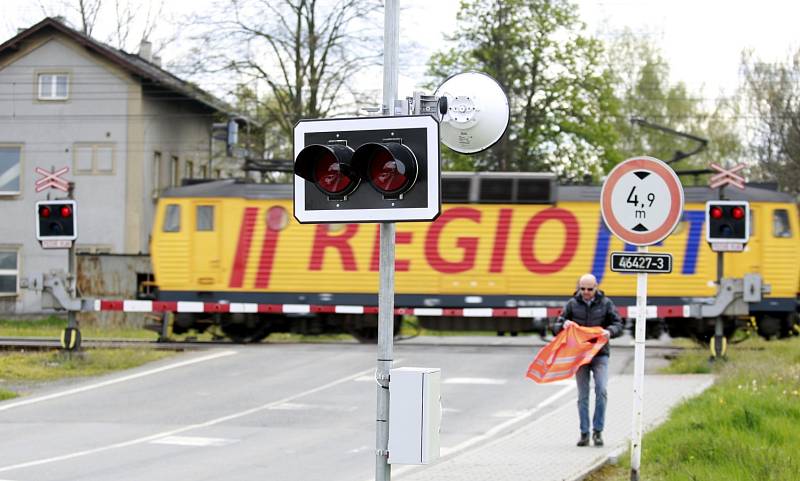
(24, 370)
(51, 327)
(744, 427)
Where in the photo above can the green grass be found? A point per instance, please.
(6, 394)
(32, 368)
(51, 327)
(745, 427)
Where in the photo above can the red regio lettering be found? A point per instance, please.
(468, 244)
(323, 239)
(527, 245)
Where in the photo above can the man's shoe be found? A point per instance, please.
(597, 438)
(584, 440)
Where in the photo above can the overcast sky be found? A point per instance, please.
(701, 39)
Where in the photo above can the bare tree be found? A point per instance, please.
(300, 55)
(772, 92)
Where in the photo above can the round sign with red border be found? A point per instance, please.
(642, 201)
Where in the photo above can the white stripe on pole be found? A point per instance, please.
(97, 305)
(651, 312)
(248, 307)
(477, 312)
(350, 309)
(428, 311)
(534, 312)
(296, 308)
(686, 311)
(185, 306)
(137, 306)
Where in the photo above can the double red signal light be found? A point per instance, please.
(337, 170)
(367, 169)
(56, 220)
(727, 221)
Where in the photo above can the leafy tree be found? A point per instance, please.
(642, 78)
(561, 96)
(772, 93)
(298, 55)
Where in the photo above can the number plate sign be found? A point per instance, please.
(641, 262)
(642, 201)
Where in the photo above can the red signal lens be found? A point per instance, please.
(737, 213)
(328, 174)
(715, 212)
(66, 211)
(386, 173)
(44, 211)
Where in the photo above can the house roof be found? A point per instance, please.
(132, 63)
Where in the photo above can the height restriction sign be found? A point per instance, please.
(642, 201)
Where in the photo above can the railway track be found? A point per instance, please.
(43, 344)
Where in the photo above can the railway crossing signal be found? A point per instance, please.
(56, 224)
(727, 221)
(367, 169)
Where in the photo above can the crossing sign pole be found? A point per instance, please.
(641, 203)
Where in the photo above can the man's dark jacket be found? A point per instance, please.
(600, 312)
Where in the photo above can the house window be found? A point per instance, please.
(156, 174)
(174, 171)
(172, 219)
(188, 169)
(53, 86)
(10, 163)
(203, 171)
(93, 158)
(205, 217)
(9, 272)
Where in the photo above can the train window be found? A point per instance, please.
(497, 190)
(172, 219)
(205, 217)
(780, 223)
(455, 190)
(535, 191)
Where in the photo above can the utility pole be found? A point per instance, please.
(383, 470)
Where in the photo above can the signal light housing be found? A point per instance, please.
(56, 220)
(727, 221)
(328, 168)
(397, 156)
(390, 168)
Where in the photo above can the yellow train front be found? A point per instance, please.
(502, 241)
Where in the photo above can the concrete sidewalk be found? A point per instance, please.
(544, 449)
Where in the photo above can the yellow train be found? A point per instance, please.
(495, 255)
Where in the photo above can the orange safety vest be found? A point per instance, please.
(570, 349)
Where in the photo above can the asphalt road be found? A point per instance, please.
(272, 412)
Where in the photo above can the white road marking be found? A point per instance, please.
(212, 422)
(474, 380)
(444, 451)
(195, 441)
(309, 407)
(89, 387)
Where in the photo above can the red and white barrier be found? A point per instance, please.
(248, 307)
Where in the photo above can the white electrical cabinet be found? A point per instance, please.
(415, 414)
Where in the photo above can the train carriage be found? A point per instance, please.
(504, 255)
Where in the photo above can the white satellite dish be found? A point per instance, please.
(477, 112)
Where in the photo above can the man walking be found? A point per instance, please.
(590, 308)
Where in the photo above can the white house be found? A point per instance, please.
(123, 127)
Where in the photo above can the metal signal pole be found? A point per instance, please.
(391, 53)
(638, 371)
